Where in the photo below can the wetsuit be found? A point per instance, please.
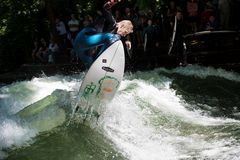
(102, 34)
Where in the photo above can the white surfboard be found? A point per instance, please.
(173, 36)
(105, 75)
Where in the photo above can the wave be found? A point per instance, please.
(149, 118)
(151, 122)
(203, 72)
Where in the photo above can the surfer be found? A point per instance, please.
(102, 33)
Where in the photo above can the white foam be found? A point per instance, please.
(12, 134)
(124, 124)
(166, 100)
(127, 123)
(21, 94)
(203, 72)
(129, 126)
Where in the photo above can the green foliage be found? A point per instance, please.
(22, 21)
(17, 26)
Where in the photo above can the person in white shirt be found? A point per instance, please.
(73, 25)
(53, 50)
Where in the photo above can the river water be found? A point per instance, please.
(182, 113)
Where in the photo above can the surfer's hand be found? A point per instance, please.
(114, 1)
(111, 3)
(128, 44)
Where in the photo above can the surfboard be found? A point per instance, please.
(173, 36)
(105, 75)
(145, 43)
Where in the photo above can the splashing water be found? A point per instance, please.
(155, 115)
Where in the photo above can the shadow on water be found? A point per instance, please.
(68, 142)
(217, 95)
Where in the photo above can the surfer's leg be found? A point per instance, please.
(109, 39)
(85, 58)
(81, 40)
(88, 39)
(101, 39)
(82, 45)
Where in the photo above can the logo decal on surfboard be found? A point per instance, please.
(108, 69)
(89, 89)
(107, 85)
(104, 60)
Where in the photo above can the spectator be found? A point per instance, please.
(43, 51)
(53, 50)
(99, 21)
(35, 50)
(224, 13)
(178, 42)
(209, 11)
(73, 25)
(88, 20)
(62, 32)
(127, 14)
(192, 16)
(118, 16)
(139, 22)
(171, 12)
(211, 25)
(150, 36)
(150, 42)
(150, 14)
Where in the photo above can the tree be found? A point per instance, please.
(22, 21)
(18, 23)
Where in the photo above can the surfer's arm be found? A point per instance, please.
(110, 23)
(110, 3)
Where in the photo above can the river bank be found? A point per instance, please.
(139, 61)
(28, 71)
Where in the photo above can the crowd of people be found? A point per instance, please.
(150, 28)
